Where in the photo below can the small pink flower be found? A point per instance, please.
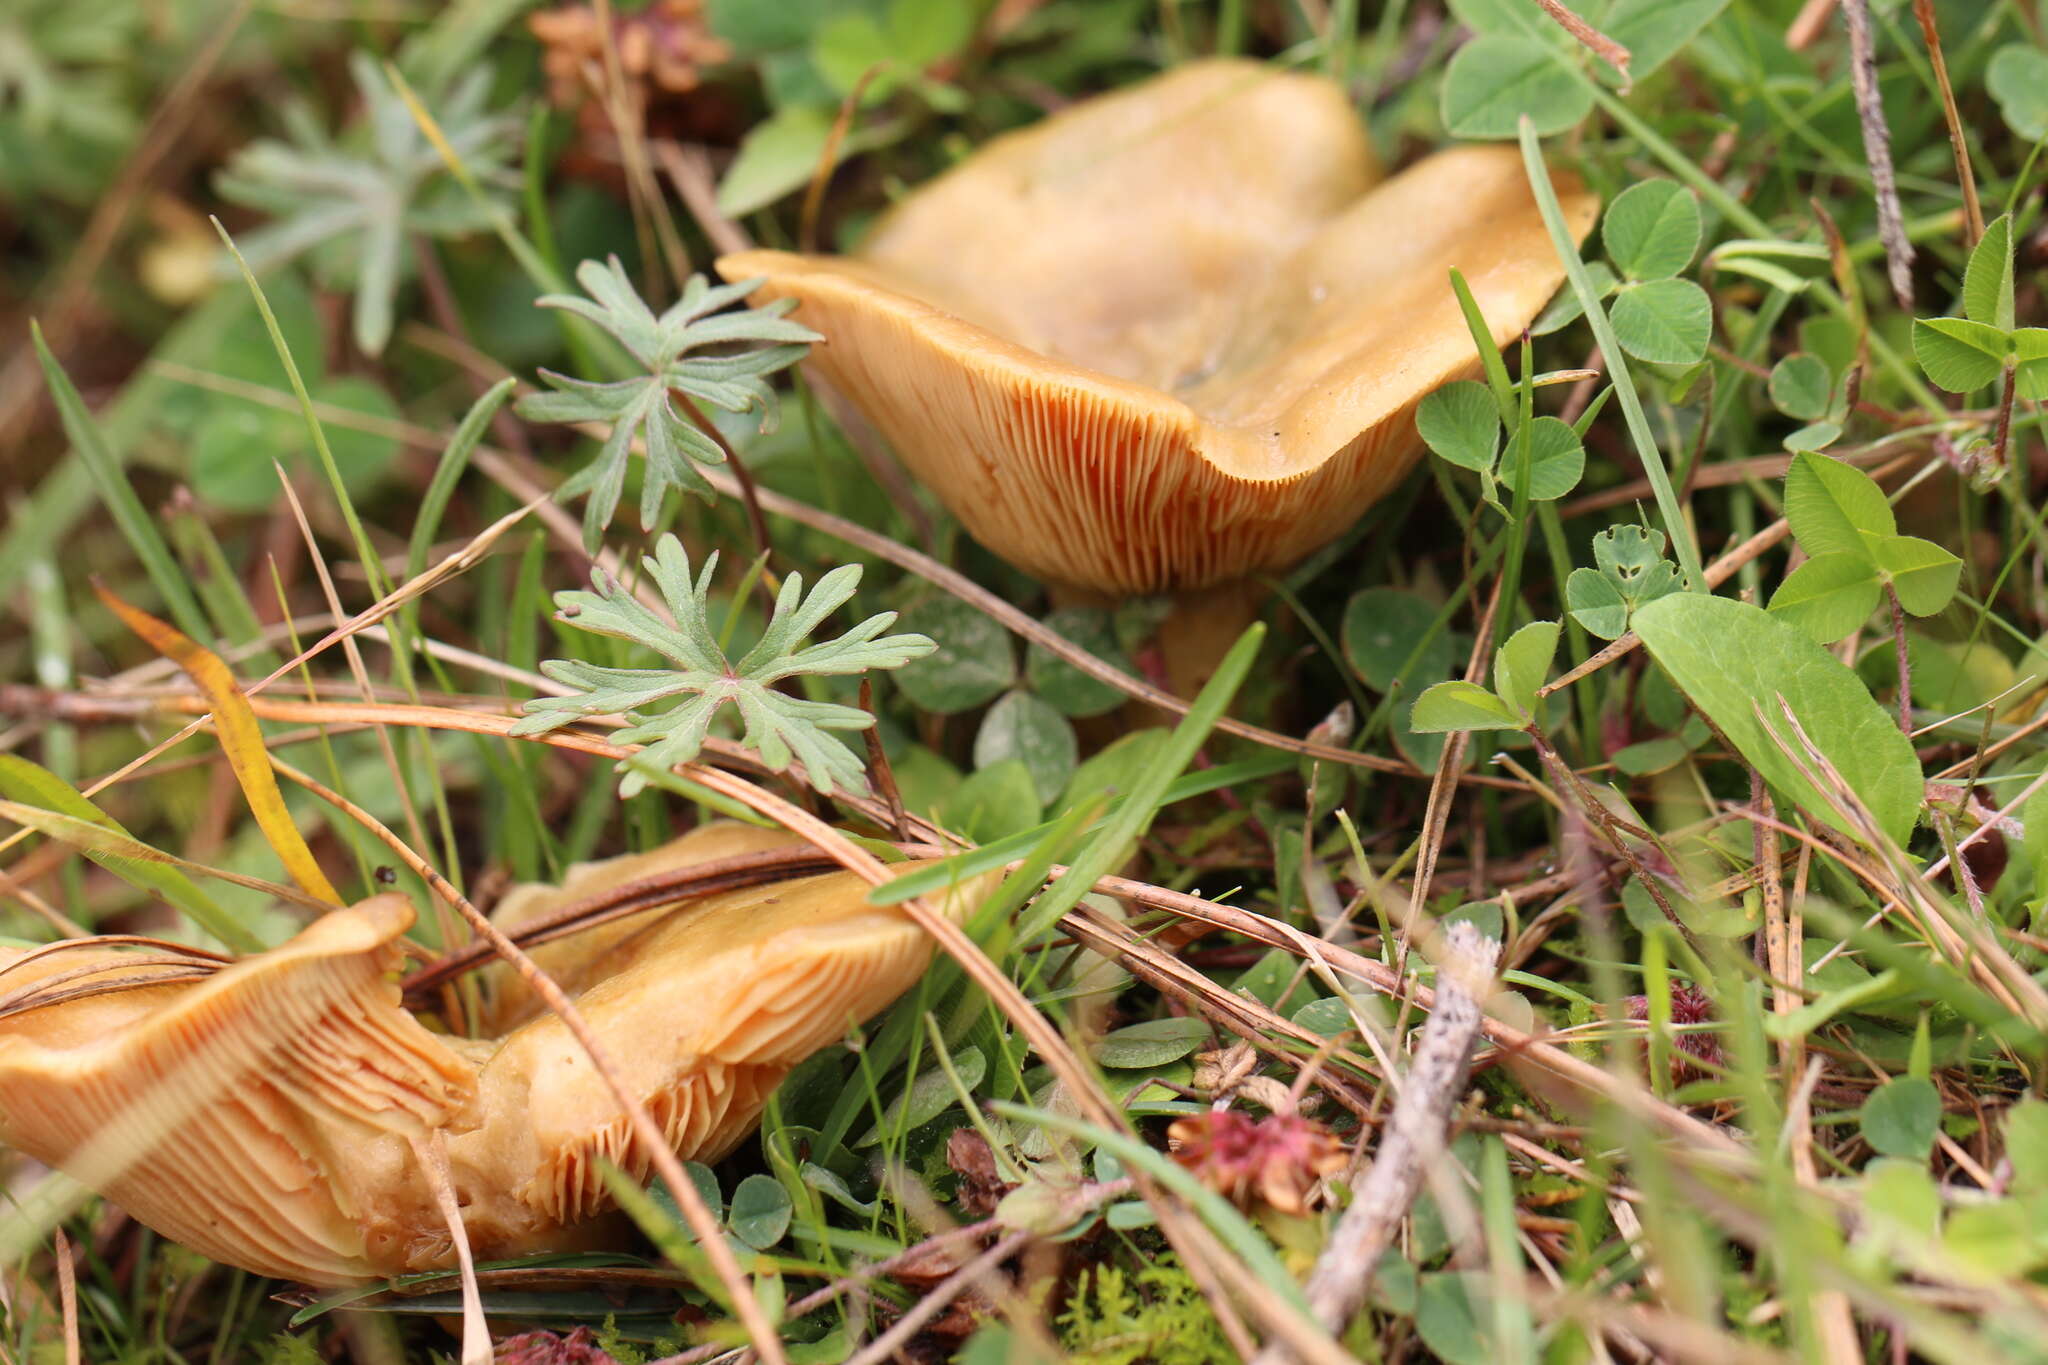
(1280, 1156)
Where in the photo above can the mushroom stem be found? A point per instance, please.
(1199, 629)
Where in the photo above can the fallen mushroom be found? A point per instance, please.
(267, 1111)
(1172, 337)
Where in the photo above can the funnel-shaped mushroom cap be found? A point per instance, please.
(266, 1114)
(258, 1116)
(1172, 336)
(720, 998)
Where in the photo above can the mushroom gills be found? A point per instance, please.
(1174, 336)
(265, 1115)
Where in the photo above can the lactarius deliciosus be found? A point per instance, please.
(270, 1111)
(1174, 336)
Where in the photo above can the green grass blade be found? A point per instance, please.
(1646, 446)
(119, 495)
(29, 784)
(1002, 852)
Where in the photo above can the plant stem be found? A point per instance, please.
(1905, 666)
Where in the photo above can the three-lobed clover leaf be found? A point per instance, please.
(354, 203)
(1843, 521)
(720, 358)
(1522, 63)
(1966, 353)
(779, 728)
(1631, 572)
(1519, 668)
(1461, 423)
(1651, 232)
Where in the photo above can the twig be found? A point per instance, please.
(930, 1304)
(1807, 24)
(1877, 150)
(1598, 43)
(1018, 622)
(1973, 212)
(689, 170)
(1891, 597)
(828, 160)
(880, 773)
(1415, 1135)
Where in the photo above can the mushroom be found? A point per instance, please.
(1174, 336)
(267, 1111)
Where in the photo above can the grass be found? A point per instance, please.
(1761, 1077)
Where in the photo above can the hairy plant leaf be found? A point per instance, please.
(2017, 78)
(1833, 507)
(1557, 460)
(1829, 595)
(1922, 573)
(1957, 354)
(1900, 1117)
(1383, 628)
(974, 661)
(1987, 280)
(1022, 727)
(1461, 705)
(1736, 661)
(1802, 386)
(1521, 665)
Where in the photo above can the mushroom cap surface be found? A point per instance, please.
(1173, 335)
(267, 1114)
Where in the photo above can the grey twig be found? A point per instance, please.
(1877, 150)
(1414, 1135)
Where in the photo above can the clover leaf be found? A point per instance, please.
(1631, 572)
(1842, 519)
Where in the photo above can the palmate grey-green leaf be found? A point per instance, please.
(354, 201)
(1735, 661)
(781, 729)
(722, 360)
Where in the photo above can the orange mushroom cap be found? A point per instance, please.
(266, 1115)
(1172, 336)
